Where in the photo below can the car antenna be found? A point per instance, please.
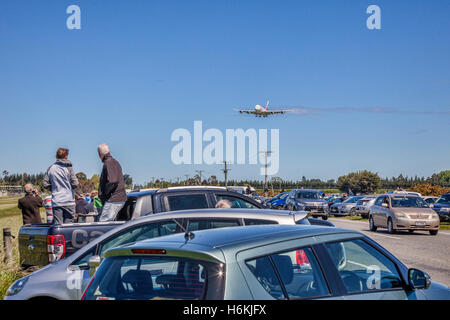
(188, 235)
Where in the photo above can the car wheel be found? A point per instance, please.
(325, 217)
(434, 232)
(390, 226)
(411, 231)
(372, 226)
(352, 212)
(314, 217)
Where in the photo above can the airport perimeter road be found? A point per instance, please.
(417, 250)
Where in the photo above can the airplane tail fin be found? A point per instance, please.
(267, 105)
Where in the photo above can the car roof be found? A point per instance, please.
(314, 190)
(268, 214)
(210, 243)
(144, 192)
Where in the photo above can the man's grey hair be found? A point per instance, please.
(28, 188)
(223, 204)
(103, 149)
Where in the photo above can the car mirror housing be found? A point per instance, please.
(418, 279)
(93, 264)
(385, 205)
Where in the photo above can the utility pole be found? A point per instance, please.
(265, 167)
(225, 171)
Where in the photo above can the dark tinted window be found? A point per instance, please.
(298, 270)
(445, 198)
(203, 224)
(379, 201)
(253, 222)
(184, 202)
(147, 278)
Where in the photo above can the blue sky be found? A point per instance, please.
(137, 70)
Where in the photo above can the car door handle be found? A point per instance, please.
(31, 247)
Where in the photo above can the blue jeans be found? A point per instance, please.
(110, 211)
(63, 214)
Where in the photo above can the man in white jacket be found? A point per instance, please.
(61, 180)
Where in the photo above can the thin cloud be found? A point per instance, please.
(374, 110)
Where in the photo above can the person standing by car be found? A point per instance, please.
(81, 205)
(61, 180)
(112, 186)
(30, 205)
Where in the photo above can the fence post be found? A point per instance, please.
(7, 245)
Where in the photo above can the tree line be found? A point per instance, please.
(357, 182)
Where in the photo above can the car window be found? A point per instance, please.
(253, 222)
(187, 201)
(236, 202)
(204, 224)
(263, 271)
(139, 233)
(408, 201)
(379, 201)
(307, 195)
(363, 268)
(445, 199)
(147, 278)
(82, 262)
(298, 271)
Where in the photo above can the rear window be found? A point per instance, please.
(204, 224)
(184, 202)
(151, 278)
(254, 222)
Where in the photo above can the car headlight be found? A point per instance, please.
(401, 215)
(444, 210)
(17, 286)
(301, 204)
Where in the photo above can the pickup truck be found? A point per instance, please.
(41, 244)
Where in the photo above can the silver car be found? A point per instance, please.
(345, 208)
(363, 206)
(67, 278)
(259, 262)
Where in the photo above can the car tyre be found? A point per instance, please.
(433, 232)
(390, 226)
(325, 217)
(352, 212)
(411, 231)
(372, 226)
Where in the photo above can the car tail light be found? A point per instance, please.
(302, 259)
(56, 247)
(148, 251)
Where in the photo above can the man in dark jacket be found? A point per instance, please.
(112, 186)
(61, 180)
(30, 205)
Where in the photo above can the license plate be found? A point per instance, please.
(419, 223)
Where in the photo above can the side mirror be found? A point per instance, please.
(93, 264)
(385, 205)
(418, 279)
(431, 205)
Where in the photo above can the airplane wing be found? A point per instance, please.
(247, 111)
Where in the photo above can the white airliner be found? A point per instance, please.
(263, 112)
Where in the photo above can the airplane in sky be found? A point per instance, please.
(260, 111)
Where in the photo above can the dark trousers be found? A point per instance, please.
(63, 214)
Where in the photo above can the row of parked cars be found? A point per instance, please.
(174, 244)
(398, 210)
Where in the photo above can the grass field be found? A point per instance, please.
(10, 217)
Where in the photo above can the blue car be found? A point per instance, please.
(442, 207)
(278, 201)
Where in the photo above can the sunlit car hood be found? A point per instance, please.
(412, 210)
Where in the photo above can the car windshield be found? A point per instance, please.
(308, 195)
(444, 199)
(407, 201)
(152, 278)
